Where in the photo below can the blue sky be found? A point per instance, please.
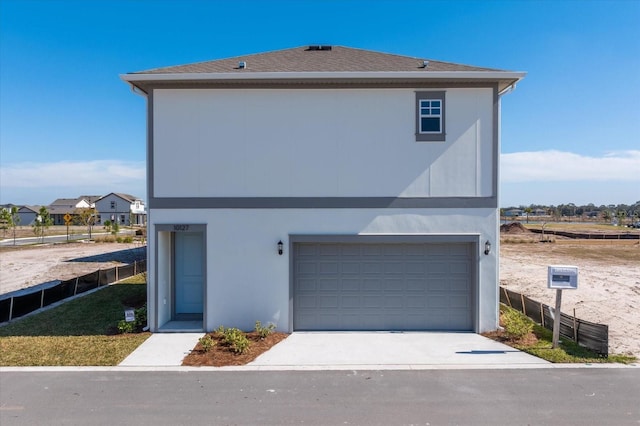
(69, 126)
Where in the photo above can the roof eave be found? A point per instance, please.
(505, 79)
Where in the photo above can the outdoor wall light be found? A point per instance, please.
(487, 247)
(280, 247)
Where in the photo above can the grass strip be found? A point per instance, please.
(567, 351)
(76, 333)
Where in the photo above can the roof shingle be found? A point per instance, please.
(304, 59)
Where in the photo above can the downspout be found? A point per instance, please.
(138, 91)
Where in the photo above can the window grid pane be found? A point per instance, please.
(430, 113)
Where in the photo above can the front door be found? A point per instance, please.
(189, 274)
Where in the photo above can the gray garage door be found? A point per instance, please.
(382, 287)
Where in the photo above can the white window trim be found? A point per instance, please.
(431, 107)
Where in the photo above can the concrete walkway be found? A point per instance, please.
(352, 350)
(162, 350)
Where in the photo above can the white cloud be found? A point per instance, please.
(558, 166)
(40, 183)
(71, 174)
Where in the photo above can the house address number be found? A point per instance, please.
(181, 228)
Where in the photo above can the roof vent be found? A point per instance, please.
(318, 47)
(425, 64)
(242, 65)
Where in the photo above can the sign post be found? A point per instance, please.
(560, 277)
(67, 221)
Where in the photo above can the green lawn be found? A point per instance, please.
(566, 352)
(76, 333)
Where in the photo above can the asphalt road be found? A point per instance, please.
(599, 396)
(49, 239)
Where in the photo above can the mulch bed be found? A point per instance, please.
(220, 355)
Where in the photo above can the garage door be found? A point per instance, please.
(382, 287)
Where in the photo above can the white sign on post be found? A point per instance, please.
(560, 277)
(129, 315)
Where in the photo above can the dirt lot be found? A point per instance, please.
(22, 267)
(608, 281)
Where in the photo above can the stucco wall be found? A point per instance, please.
(318, 143)
(248, 281)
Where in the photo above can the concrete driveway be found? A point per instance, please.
(352, 350)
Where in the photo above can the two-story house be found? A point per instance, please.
(122, 209)
(323, 188)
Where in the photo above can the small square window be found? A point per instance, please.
(430, 116)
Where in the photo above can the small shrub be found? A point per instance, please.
(125, 327)
(207, 343)
(105, 239)
(516, 326)
(264, 331)
(127, 239)
(118, 239)
(235, 339)
(140, 315)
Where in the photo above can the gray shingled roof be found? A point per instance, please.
(302, 59)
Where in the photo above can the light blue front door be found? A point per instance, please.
(189, 273)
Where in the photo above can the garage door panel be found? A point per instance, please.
(394, 302)
(307, 302)
(307, 285)
(303, 267)
(393, 250)
(349, 302)
(328, 285)
(382, 286)
(459, 267)
(459, 285)
(456, 302)
(434, 267)
(349, 285)
(372, 301)
(371, 250)
(372, 285)
(329, 250)
(371, 268)
(416, 302)
(350, 267)
(413, 267)
(328, 268)
(394, 268)
(415, 285)
(328, 302)
(393, 285)
(438, 285)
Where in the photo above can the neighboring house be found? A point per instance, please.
(323, 188)
(28, 215)
(514, 213)
(116, 208)
(63, 206)
(138, 213)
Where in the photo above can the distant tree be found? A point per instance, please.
(606, 216)
(15, 222)
(5, 220)
(528, 211)
(86, 217)
(621, 215)
(43, 222)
